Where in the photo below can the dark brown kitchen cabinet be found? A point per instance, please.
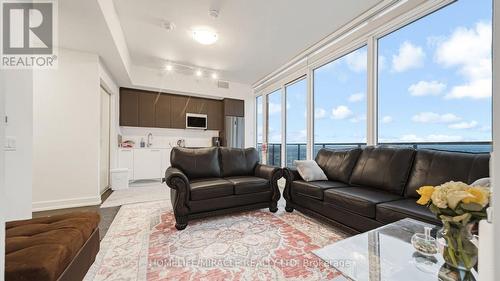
(214, 115)
(178, 107)
(147, 109)
(129, 108)
(234, 107)
(196, 105)
(163, 118)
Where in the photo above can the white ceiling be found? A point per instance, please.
(255, 36)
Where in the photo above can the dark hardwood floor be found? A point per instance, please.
(107, 214)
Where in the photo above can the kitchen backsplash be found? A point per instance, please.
(167, 138)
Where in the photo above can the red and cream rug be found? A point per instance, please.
(142, 244)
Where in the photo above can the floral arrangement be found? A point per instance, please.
(459, 206)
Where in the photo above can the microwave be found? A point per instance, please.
(196, 121)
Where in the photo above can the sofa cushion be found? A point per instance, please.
(338, 164)
(248, 184)
(202, 189)
(309, 170)
(359, 200)
(238, 162)
(42, 248)
(196, 162)
(407, 208)
(384, 168)
(314, 189)
(432, 167)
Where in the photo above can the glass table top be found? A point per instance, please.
(387, 254)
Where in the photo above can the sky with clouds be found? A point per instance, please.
(434, 85)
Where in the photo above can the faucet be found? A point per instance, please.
(150, 140)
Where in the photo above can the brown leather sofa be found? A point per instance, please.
(374, 186)
(213, 181)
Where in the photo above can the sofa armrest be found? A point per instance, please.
(176, 179)
(273, 174)
(267, 172)
(179, 193)
(290, 175)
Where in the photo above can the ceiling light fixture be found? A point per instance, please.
(169, 67)
(199, 73)
(205, 36)
(214, 76)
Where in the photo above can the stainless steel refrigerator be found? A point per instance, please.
(235, 131)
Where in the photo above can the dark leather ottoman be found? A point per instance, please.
(61, 247)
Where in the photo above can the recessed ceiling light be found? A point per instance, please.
(169, 67)
(205, 36)
(199, 73)
(214, 75)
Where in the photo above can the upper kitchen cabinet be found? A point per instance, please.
(214, 113)
(163, 116)
(178, 109)
(197, 105)
(129, 108)
(140, 108)
(234, 107)
(147, 109)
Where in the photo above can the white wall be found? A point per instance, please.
(18, 89)
(66, 133)
(2, 174)
(495, 171)
(108, 83)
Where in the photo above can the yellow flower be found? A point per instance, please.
(455, 196)
(479, 195)
(425, 193)
(440, 197)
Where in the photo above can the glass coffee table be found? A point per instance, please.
(387, 254)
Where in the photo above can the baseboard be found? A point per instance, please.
(65, 203)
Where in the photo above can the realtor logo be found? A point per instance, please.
(28, 34)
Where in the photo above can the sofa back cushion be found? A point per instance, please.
(432, 167)
(384, 168)
(238, 161)
(338, 164)
(196, 162)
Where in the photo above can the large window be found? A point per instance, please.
(260, 125)
(340, 102)
(296, 124)
(434, 80)
(274, 128)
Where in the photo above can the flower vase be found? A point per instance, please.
(458, 245)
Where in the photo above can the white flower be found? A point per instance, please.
(439, 198)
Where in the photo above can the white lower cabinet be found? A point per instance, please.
(145, 163)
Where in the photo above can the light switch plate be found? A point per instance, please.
(10, 143)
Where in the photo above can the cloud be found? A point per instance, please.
(356, 97)
(463, 125)
(431, 117)
(476, 89)
(382, 62)
(356, 61)
(319, 113)
(387, 119)
(430, 138)
(426, 88)
(297, 136)
(274, 108)
(409, 56)
(358, 118)
(341, 112)
(469, 49)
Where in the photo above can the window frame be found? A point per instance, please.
(388, 17)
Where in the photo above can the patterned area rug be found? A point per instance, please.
(142, 244)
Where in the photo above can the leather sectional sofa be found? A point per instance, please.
(374, 186)
(213, 181)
